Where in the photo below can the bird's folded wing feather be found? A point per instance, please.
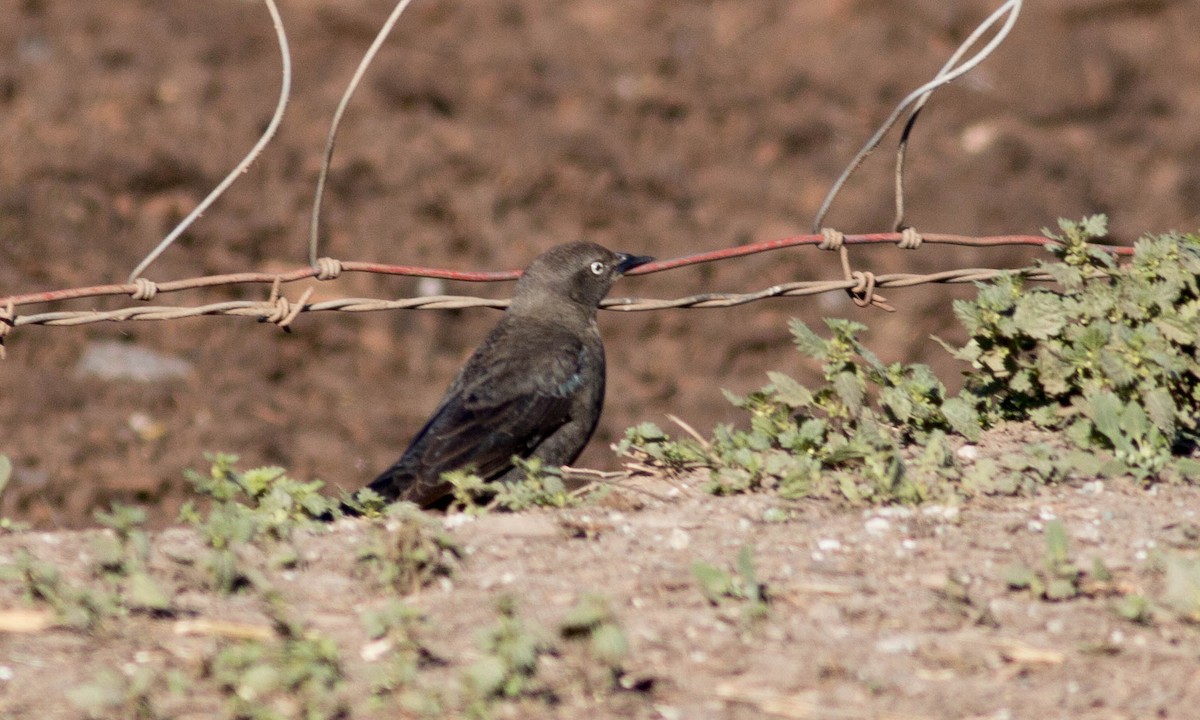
(495, 410)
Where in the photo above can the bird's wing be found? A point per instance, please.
(497, 408)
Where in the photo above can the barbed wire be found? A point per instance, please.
(279, 310)
(861, 285)
(331, 269)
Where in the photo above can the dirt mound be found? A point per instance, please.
(486, 133)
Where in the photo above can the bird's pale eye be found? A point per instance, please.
(597, 268)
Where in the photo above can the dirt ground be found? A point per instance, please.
(487, 132)
(884, 613)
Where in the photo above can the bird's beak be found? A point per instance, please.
(627, 262)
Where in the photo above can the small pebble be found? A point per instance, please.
(877, 526)
(679, 539)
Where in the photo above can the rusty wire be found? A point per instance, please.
(279, 310)
(861, 285)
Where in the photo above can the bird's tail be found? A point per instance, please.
(394, 484)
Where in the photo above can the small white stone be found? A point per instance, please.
(372, 651)
(679, 539)
(829, 545)
(1046, 514)
(877, 526)
(456, 520)
(968, 452)
(1034, 526)
(1095, 487)
(897, 645)
(6, 673)
(1088, 533)
(948, 513)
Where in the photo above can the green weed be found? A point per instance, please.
(591, 621)
(1111, 358)
(1110, 361)
(410, 550)
(250, 508)
(508, 667)
(720, 586)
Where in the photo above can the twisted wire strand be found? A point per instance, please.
(282, 313)
(329, 268)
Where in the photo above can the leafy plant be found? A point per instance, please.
(395, 631)
(508, 668)
(6, 472)
(1060, 578)
(847, 437)
(298, 675)
(76, 607)
(719, 585)
(541, 485)
(1111, 357)
(130, 694)
(249, 507)
(122, 557)
(592, 620)
(1111, 360)
(409, 551)
(269, 502)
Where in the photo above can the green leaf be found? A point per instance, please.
(1105, 409)
(745, 565)
(963, 418)
(609, 644)
(850, 390)
(142, 591)
(590, 612)
(1060, 589)
(714, 582)
(1040, 315)
(807, 341)
(6, 469)
(1019, 577)
(1094, 226)
(1160, 406)
(789, 392)
(1056, 542)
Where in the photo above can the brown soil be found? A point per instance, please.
(486, 132)
(885, 613)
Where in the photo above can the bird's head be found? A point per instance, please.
(580, 273)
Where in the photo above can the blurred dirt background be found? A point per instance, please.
(487, 132)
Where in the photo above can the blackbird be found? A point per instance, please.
(533, 389)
